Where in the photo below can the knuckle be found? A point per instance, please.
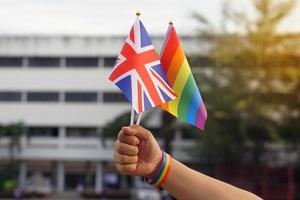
(136, 141)
(130, 168)
(119, 168)
(135, 150)
(119, 134)
(117, 158)
(123, 159)
(135, 159)
(118, 146)
(124, 139)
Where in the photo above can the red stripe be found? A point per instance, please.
(163, 83)
(171, 45)
(127, 52)
(137, 62)
(120, 70)
(150, 86)
(163, 180)
(131, 34)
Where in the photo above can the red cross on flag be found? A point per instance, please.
(138, 72)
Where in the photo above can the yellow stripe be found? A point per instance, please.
(178, 86)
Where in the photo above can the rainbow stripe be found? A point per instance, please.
(162, 174)
(189, 105)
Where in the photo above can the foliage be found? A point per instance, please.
(9, 172)
(14, 132)
(253, 96)
(8, 177)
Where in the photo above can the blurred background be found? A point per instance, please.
(59, 114)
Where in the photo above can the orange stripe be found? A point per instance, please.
(163, 180)
(170, 49)
(175, 65)
(165, 106)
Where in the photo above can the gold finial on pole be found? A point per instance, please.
(138, 13)
(171, 22)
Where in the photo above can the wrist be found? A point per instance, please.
(157, 164)
(161, 173)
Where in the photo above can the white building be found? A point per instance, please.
(58, 87)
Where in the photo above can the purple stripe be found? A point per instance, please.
(164, 157)
(201, 116)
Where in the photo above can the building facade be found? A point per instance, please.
(58, 87)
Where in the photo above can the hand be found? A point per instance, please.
(136, 152)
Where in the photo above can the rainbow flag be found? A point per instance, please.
(189, 105)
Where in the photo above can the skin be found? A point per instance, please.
(138, 154)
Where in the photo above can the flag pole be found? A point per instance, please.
(132, 109)
(132, 116)
(139, 118)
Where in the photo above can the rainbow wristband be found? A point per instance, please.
(161, 175)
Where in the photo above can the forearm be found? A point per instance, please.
(185, 183)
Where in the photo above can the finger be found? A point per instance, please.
(128, 130)
(126, 149)
(131, 140)
(126, 169)
(124, 159)
(136, 130)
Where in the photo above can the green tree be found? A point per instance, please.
(253, 95)
(14, 132)
(9, 172)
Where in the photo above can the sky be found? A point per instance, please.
(107, 17)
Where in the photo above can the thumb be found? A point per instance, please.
(136, 130)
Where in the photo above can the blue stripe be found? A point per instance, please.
(125, 86)
(165, 96)
(193, 107)
(147, 103)
(158, 69)
(145, 39)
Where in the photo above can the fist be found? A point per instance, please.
(136, 152)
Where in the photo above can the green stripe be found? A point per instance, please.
(162, 172)
(186, 96)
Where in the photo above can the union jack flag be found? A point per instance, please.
(138, 72)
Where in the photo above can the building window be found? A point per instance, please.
(81, 97)
(109, 61)
(11, 61)
(42, 96)
(82, 62)
(110, 97)
(10, 96)
(44, 62)
(42, 131)
(81, 132)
